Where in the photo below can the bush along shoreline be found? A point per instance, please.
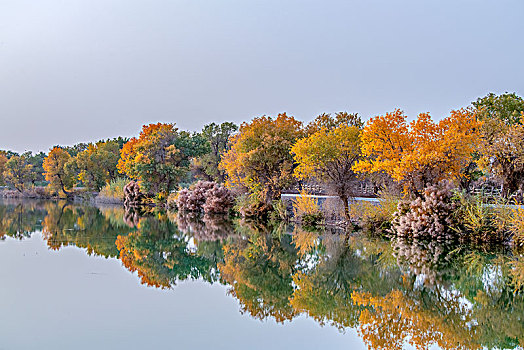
(443, 213)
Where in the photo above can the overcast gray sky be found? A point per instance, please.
(83, 70)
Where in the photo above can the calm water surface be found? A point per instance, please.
(81, 277)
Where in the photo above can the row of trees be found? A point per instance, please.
(485, 139)
(161, 157)
(267, 155)
(17, 170)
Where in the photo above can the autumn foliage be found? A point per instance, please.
(159, 157)
(96, 166)
(56, 172)
(259, 159)
(419, 153)
(328, 156)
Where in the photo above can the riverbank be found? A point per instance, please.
(75, 196)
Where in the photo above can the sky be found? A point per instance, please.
(83, 70)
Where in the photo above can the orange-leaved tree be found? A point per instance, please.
(420, 153)
(328, 157)
(55, 171)
(159, 157)
(259, 159)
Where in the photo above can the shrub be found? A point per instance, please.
(517, 227)
(171, 200)
(480, 222)
(281, 211)
(206, 196)
(476, 217)
(194, 198)
(41, 192)
(133, 196)
(431, 216)
(219, 200)
(376, 218)
(182, 199)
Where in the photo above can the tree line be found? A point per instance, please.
(260, 158)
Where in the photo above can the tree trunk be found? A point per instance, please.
(345, 200)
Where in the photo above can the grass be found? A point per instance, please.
(517, 227)
(480, 222)
(306, 210)
(376, 218)
(114, 189)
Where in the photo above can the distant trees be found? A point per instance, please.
(3, 161)
(262, 157)
(326, 121)
(37, 170)
(506, 108)
(18, 171)
(217, 137)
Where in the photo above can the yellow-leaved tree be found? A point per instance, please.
(420, 153)
(3, 161)
(60, 179)
(259, 159)
(328, 156)
(18, 171)
(96, 166)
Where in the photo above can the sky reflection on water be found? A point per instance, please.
(67, 299)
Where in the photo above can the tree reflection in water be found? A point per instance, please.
(393, 292)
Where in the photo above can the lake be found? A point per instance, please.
(84, 277)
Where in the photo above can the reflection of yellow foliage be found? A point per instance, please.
(304, 241)
(391, 321)
(259, 273)
(132, 259)
(322, 304)
(114, 214)
(517, 273)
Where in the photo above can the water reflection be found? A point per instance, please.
(393, 292)
(160, 254)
